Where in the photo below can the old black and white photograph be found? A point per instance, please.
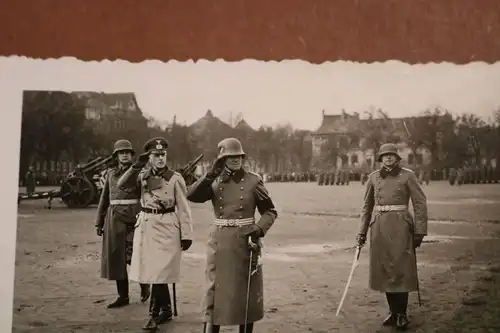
(254, 196)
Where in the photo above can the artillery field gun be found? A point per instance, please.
(83, 186)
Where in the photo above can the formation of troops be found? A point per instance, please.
(145, 220)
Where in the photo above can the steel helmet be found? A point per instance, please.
(388, 148)
(230, 147)
(123, 145)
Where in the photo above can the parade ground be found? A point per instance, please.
(307, 257)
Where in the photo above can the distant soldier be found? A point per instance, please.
(235, 194)
(394, 233)
(116, 217)
(347, 176)
(320, 178)
(30, 181)
(163, 228)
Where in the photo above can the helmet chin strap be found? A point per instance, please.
(125, 164)
(228, 170)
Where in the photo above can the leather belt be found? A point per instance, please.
(124, 202)
(158, 211)
(390, 208)
(234, 222)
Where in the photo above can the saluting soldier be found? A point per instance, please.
(116, 216)
(235, 194)
(394, 232)
(163, 229)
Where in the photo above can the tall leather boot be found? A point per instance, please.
(145, 292)
(151, 324)
(210, 328)
(164, 303)
(123, 298)
(249, 328)
(392, 317)
(402, 321)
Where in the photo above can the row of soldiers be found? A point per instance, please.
(291, 177)
(144, 217)
(341, 177)
(474, 175)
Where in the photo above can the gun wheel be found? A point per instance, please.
(77, 192)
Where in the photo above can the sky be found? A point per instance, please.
(269, 93)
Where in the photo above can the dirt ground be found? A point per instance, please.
(307, 258)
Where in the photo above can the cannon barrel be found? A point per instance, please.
(187, 170)
(96, 163)
(189, 167)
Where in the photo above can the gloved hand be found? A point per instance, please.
(186, 244)
(417, 240)
(142, 160)
(217, 169)
(360, 239)
(100, 231)
(254, 232)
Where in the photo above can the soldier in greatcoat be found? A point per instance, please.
(163, 229)
(235, 194)
(30, 181)
(394, 232)
(116, 216)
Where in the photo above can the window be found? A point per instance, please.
(410, 158)
(415, 159)
(131, 106)
(345, 160)
(354, 159)
(92, 114)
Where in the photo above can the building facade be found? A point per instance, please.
(341, 137)
(112, 112)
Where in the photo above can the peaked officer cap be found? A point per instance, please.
(158, 143)
(388, 148)
(123, 145)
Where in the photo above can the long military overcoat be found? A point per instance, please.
(228, 255)
(392, 255)
(116, 214)
(156, 256)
